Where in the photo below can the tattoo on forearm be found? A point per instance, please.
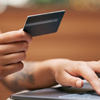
(31, 79)
(26, 75)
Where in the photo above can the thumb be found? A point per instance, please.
(69, 80)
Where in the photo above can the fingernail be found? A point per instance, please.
(20, 30)
(98, 87)
(79, 84)
(98, 91)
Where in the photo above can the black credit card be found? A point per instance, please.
(43, 23)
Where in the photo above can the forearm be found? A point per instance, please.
(33, 76)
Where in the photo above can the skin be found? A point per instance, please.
(36, 75)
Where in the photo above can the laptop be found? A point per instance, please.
(59, 93)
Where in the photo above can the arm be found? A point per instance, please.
(50, 72)
(34, 75)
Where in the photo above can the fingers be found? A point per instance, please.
(9, 69)
(15, 36)
(95, 65)
(13, 48)
(68, 80)
(85, 71)
(12, 58)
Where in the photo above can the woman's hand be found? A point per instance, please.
(67, 72)
(37, 75)
(13, 46)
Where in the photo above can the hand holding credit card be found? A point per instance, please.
(43, 23)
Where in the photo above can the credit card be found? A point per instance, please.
(43, 23)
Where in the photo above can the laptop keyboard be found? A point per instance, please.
(91, 95)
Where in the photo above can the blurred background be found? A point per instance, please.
(78, 37)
